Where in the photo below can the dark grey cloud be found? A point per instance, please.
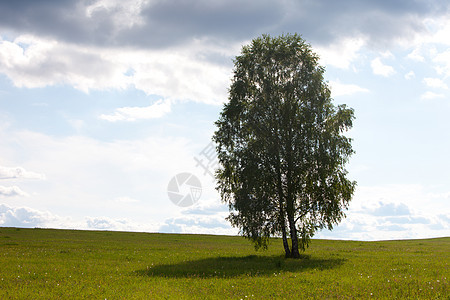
(229, 20)
(57, 19)
(166, 23)
(381, 22)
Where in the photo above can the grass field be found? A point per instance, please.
(66, 264)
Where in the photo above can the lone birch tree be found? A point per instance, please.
(281, 145)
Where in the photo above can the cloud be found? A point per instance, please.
(407, 220)
(187, 74)
(381, 23)
(431, 95)
(442, 61)
(379, 68)
(390, 209)
(440, 195)
(123, 14)
(156, 110)
(438, 28)
(198, 225)
(157, 24)
(410, 75)
(33, 62)
(415, 55)
(18, 172)
(393, 212)
(180, 50)
(12, 191)
(387, 54)
(86, 174)
(233, 20)
(388, 221)
(139, 23)
(341, 89)
(126, 200)
(432, 47)
(342, 53)
(205, 217)
(435, 83)
(24, 217)
(105, 223)
(209, 209)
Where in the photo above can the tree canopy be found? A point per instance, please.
(281, 145)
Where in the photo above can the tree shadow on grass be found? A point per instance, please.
(226, 267)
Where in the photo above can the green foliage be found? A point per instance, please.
(281, 145)
(69, 264)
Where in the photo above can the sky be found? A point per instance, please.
(105, 106)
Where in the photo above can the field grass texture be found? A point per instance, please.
(70, 264)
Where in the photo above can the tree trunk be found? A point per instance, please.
(281, 198)
(282, 222)
(294, 238)
(290, 182)
(287, 251)
(290, 209)
(283, 231)
(290, 205)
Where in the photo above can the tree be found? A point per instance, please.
(281, 145)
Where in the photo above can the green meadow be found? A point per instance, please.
(69, 264)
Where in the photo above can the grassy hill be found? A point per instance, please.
(68, 264)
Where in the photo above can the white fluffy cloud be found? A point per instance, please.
(33, 62)
(442, 61)
(12, 191)
(184, 74)
(18, 172)
(438, 30)
(435, 83)
(156, 110)
(431, 95)
(198, 224)
(342, 53)
(106, 223)
(342, 89)
(379, 68)
(410, 75)
(416, 55)
(393, 212)
(26, 217)
(89, 175)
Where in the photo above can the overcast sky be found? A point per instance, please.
(102, 103)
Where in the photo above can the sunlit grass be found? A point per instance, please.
(46, 264)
